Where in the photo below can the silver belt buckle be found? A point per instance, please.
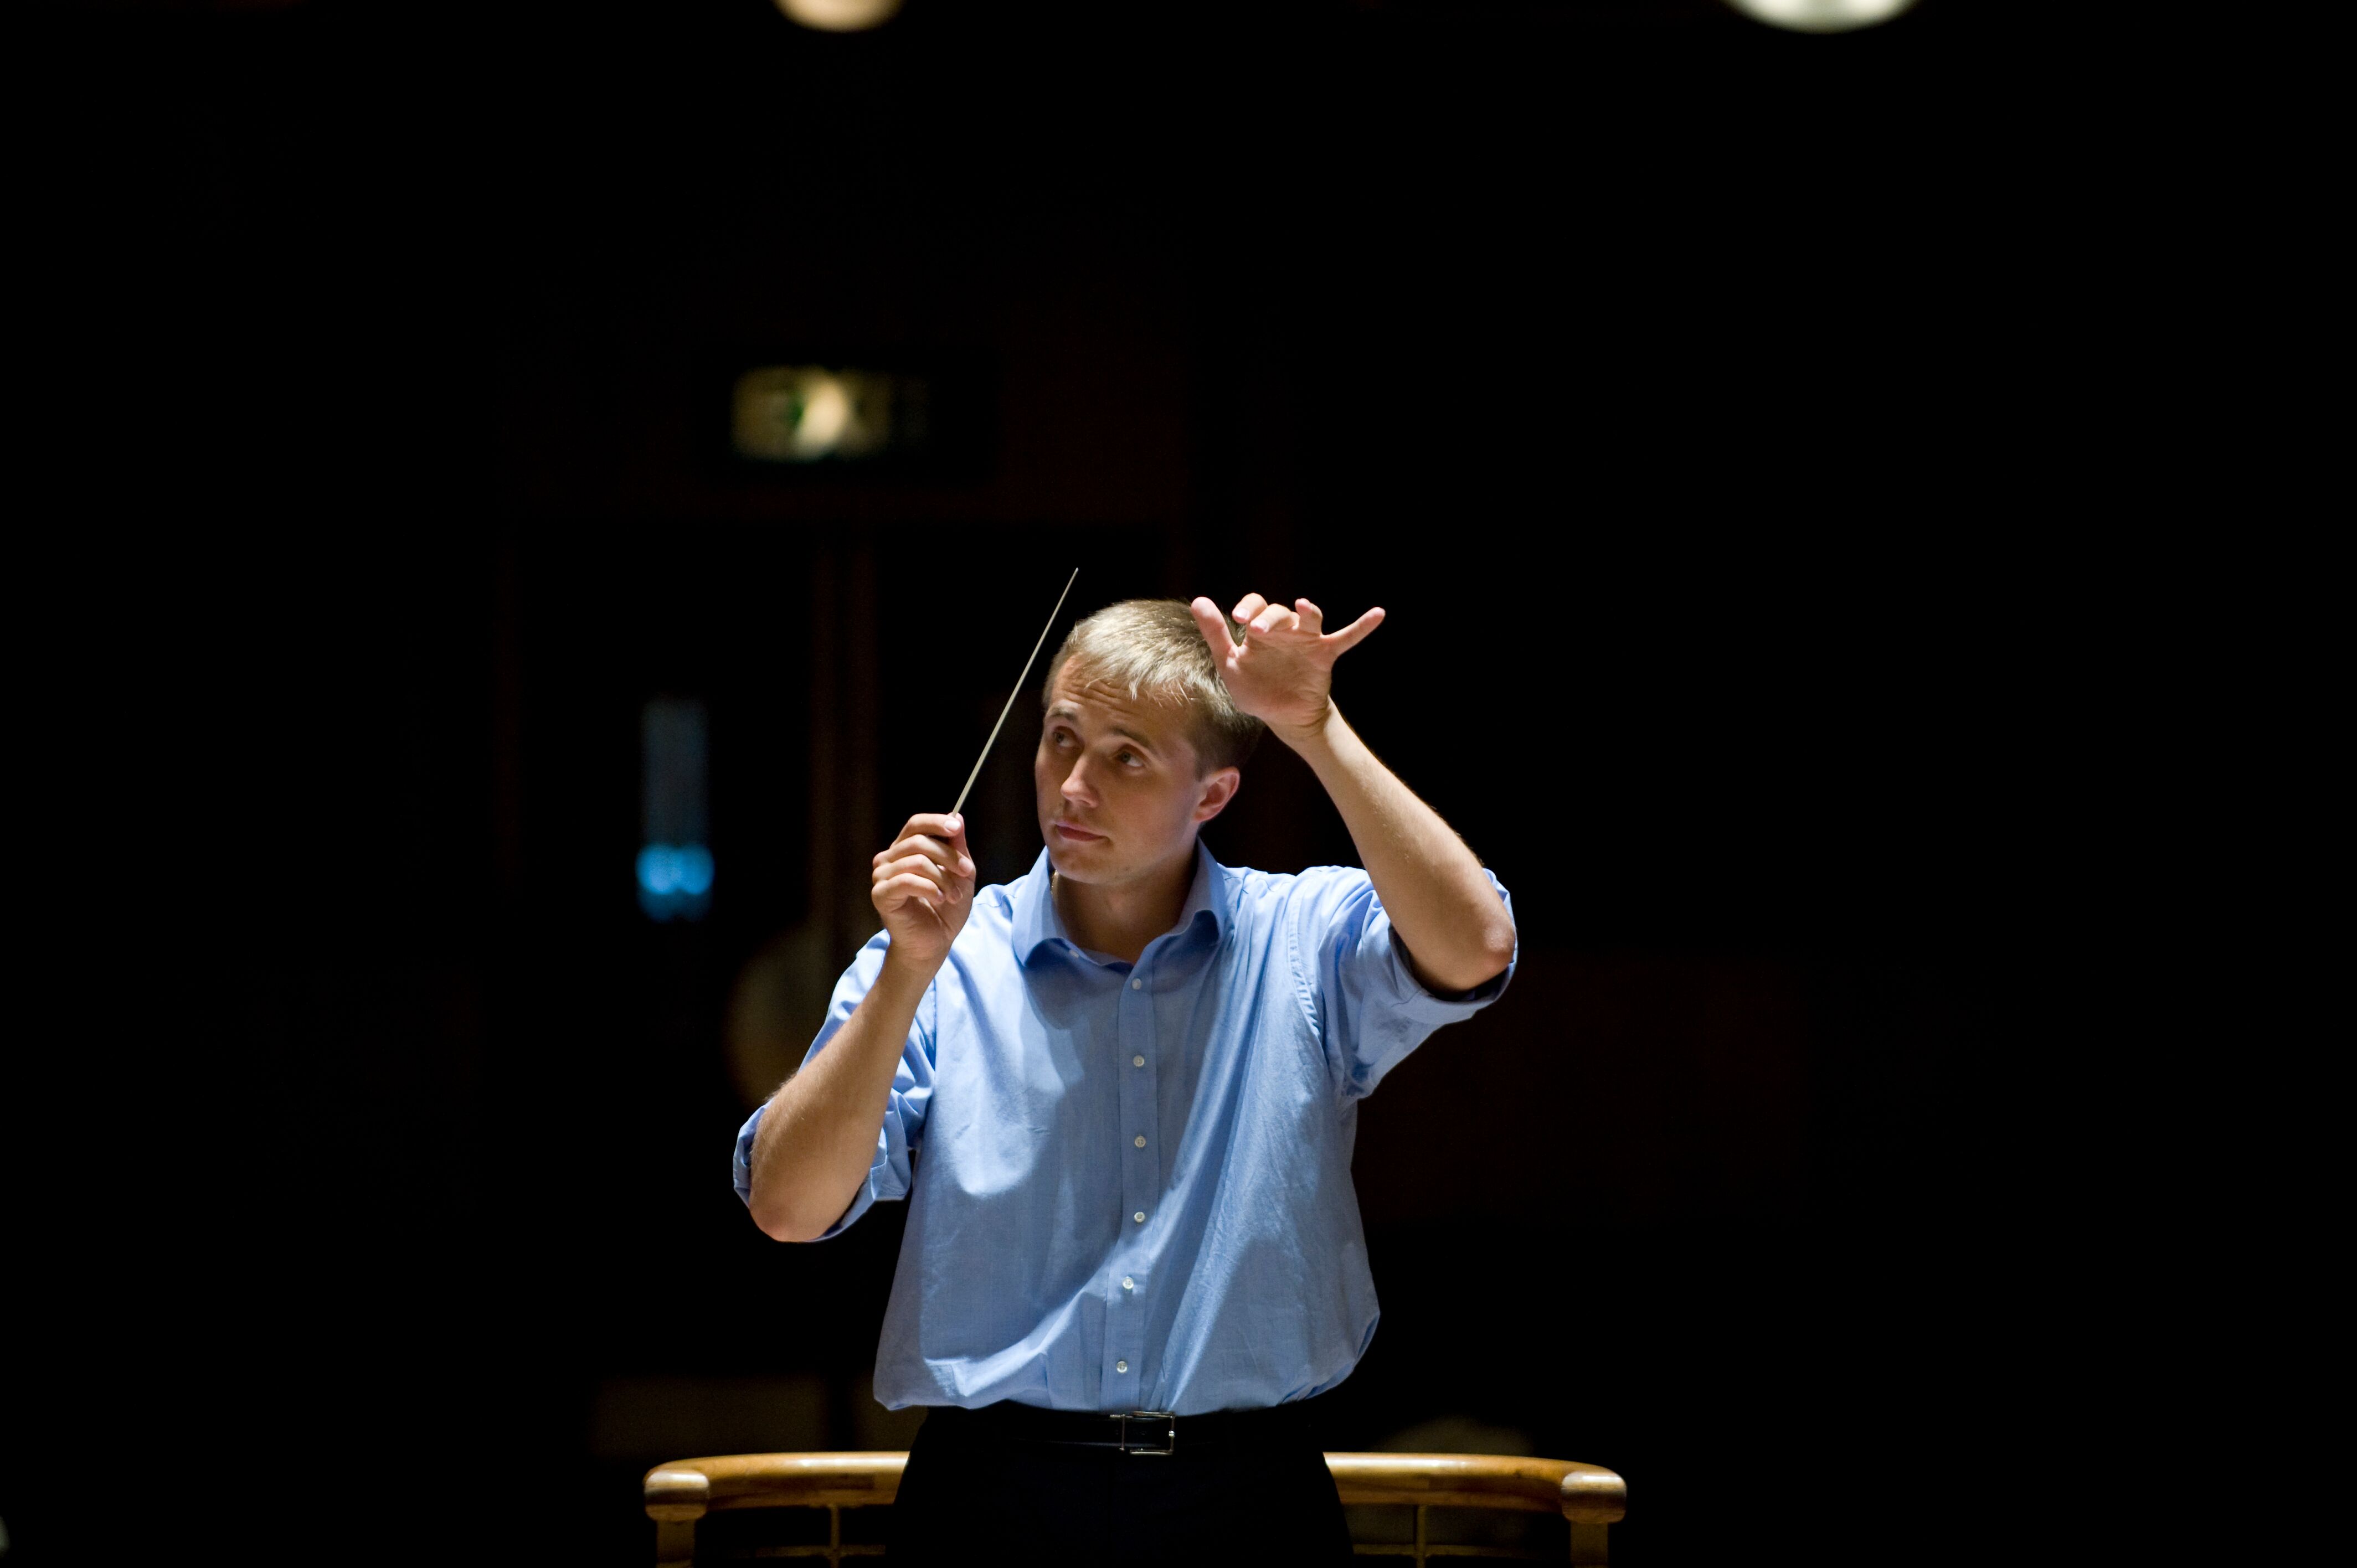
(1168, 1436)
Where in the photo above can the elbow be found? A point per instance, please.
(1497, 943)
(785, 1229)
(1490, 958)
(780, 1222)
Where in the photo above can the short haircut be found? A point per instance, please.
(1153, 648)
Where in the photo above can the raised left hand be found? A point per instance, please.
(1282, 673)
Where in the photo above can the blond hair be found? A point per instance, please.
(1153, 648)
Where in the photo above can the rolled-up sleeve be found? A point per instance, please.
(904, 1114)
(1366, 1004)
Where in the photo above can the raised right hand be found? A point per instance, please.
(923, 888)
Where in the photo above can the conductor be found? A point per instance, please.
(1120, 1093)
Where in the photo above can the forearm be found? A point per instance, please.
(817, 1137)
(1455, 926)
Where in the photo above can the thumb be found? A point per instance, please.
(1357, 632)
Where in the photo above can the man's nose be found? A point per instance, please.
(1075, 786)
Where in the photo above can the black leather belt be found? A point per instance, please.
(1149, 1432)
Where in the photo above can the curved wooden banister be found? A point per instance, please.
(688, 1488)
(684, 1490)
(1583, 1494)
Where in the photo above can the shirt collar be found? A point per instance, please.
(1037, 924)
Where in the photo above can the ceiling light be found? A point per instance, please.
(840, 16)
(1819, 15)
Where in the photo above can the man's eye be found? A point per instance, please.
(1126, 757)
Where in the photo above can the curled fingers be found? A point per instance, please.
(908, 887)
(945, 883)
(1275, 617)
(948, 856)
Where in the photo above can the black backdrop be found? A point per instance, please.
(1643, 363)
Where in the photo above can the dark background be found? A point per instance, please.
(1664, 376)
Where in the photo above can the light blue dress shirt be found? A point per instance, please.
(1130, 1186)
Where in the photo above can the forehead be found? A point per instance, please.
(1090, 704)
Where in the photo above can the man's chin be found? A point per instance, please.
(1073, 862)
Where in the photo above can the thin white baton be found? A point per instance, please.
(1017, 691)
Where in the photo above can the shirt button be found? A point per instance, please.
(1137, 1061)
(1139, 1140)
(1139, 1218)
(1136, 984)
(1129, 1283)
(1121, 1366)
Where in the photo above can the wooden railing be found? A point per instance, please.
(1587, 1496)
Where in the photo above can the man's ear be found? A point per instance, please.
(1215, 791)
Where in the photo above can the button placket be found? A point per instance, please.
(1124, 1341)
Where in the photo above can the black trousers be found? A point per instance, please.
(975, 1492)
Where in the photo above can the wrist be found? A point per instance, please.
(906, 972)
(1311, 733)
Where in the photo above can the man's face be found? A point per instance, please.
(1115, 777)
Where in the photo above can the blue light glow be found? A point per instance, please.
(674, 881)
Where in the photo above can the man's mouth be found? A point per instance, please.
(1077, 834)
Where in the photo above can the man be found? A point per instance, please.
(1121, 1093)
